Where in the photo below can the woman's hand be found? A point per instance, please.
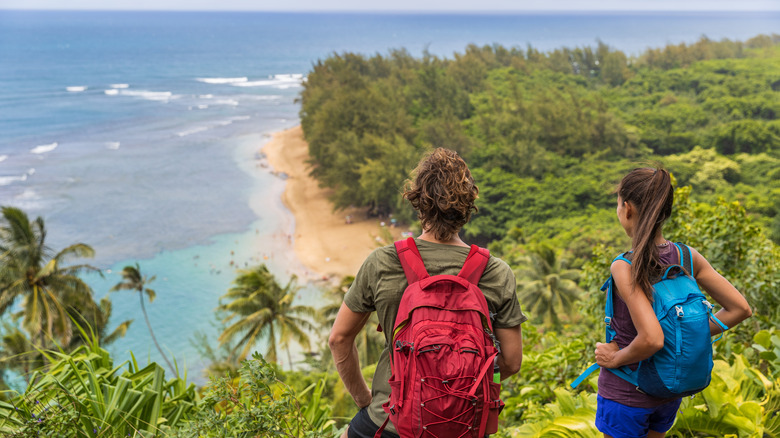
(605, 354)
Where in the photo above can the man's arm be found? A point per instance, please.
(345, 355)
(511, 357)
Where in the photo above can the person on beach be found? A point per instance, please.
(443, 194)
(644, 202)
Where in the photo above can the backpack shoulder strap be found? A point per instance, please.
(686, 258)
(609, 311)
(622, 256)
(609, 332)
(475, 264)
(411, 261)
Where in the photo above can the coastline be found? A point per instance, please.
(323, 241)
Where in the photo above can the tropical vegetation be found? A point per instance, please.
(547, 136)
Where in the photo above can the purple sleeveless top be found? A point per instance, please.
(611, 386)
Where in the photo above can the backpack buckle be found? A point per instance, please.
(708, 304)
(608, 321)
(680, 312)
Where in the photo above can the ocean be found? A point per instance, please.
(138, 133)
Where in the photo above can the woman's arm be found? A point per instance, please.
(345, 355)
(649, 338)
(735, 307)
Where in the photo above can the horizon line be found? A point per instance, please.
(403, 12)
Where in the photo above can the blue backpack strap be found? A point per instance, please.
(584, 375)
(609, 311)
(626, 374)
(609, 332)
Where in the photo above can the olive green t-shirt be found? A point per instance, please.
(380, 283)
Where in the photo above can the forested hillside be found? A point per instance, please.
(547, 135)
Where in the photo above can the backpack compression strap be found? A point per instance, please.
(475, 264)
(411, 261)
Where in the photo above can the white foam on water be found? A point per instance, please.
(31, 172)
(27, 194)
(113, 145)
(148, 95)
(202, 106)
(226, 102)
(3, 158)
(256, 97)
(231, 120)
(222, 80)
(192, 131)
(28, 199)
(289, 76)
(119, 85)
(42, 149)
(206, 96)
(6, 180)
(160, 96)
(256, 83)
(277, 81)
(76, 88)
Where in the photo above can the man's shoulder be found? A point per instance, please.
(497, 266)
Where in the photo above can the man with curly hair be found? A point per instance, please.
(443, 194)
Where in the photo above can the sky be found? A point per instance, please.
(399, 5)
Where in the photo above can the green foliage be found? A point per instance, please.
(740, 401)
(734, 246)
(265, 310)
(48, 297)
(547, 285)
(259, 404)
(550, 361)
(82, 394)
(32, 272)
(570, 416)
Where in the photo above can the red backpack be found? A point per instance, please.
(443, 351)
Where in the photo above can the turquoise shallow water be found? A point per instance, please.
(137, 132)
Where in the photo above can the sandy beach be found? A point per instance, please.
(323, 240)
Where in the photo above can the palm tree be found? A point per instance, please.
(547, 286)
(265, 310)
(96, 317)
(34, 273)
(17, 352)
(132, 280)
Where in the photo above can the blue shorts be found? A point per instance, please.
(621, 421)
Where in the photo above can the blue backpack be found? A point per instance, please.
(684, 365)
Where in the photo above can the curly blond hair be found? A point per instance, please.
(443, 193)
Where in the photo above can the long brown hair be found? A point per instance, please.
(443, 193)
(651, 192)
